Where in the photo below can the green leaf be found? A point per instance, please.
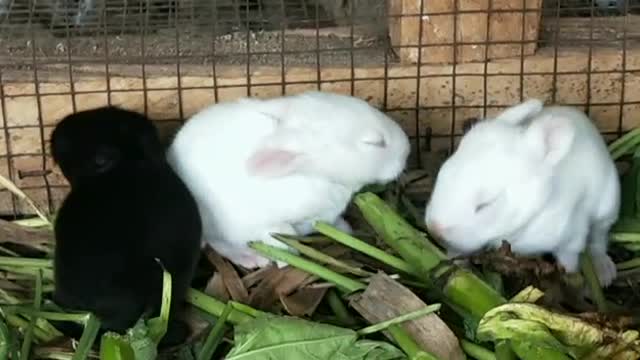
(272, 337)
(158, 325)
(113, 347)
(137, 342)
(373, 350)
(215, 336)
(533, 329)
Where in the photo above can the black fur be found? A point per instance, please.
(125, 208)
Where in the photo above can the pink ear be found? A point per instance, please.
(272, 162)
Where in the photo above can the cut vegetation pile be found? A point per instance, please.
(385, 293)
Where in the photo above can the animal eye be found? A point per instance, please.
(481, 206)
(376, 140)
(380, 143)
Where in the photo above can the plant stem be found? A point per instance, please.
(586, 264)
(25, 351)
(398, 320)
(215, 336)
(469, 292)
(411, 244)
(87, 339)
(25, 262)
(624, 144)
(214, 306)
(339, 309)
(158, 325)
(363, 247)
(625, 237)
(344, 283)
(629, 264)
(476, 351)
(320, 256)
(55, 316)
(408, 345)
(246, 309)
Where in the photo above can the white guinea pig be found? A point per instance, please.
(258, 167)
(542, 179)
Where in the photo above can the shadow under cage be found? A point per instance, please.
(432, 66)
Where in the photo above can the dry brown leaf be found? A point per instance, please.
(291, 280)
(264, 295)
(255, 277)
(14, 233)
(385, 298)
(303, 302)
(216, 288)
(230, 277)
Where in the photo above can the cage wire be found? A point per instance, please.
(54, 50)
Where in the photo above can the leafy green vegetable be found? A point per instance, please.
(136, 341)
(273, 337)
(113, 347)
(533, 330)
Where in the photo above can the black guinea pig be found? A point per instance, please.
(126, 208)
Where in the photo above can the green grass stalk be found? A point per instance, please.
(476, 351)
(25, 262)
(586, 265)
(88, 338)
(339, 309)
(363, 247)
(215, 336)
(398, 320)
(25, 350)
(408, 345)
(629, 264)
(214, 306)
(344, 283)
(319, 256)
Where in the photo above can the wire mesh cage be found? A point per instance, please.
(430, 65)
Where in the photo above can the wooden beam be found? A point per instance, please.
(436, 101)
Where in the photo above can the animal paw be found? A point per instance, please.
(605, 269)
(569, 260)
(250, 260)
(342, 225)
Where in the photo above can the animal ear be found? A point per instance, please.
(551, 137)
(517, 114)
(273, 162)
(280, 154)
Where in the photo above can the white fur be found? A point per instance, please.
(258, 167)
(547, 184)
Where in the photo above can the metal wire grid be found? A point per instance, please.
(38, 178)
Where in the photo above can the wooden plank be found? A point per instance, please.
(406, 23)
(436, 101)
